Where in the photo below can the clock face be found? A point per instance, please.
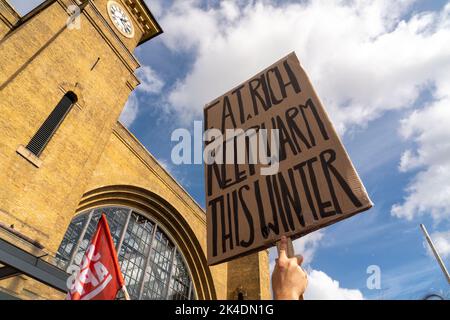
(121, 19)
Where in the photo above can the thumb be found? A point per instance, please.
(299, 259)
(282, 255)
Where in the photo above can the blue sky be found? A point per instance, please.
(382, 69)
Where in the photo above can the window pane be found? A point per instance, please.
(180, 282)
(146, 265)
(158, 270)
(134, 251)
(70, 240)
(116, 220)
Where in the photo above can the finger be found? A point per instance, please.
(299, 259)
(283, 248)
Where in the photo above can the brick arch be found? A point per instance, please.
(162, 211)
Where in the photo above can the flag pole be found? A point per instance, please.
(125, 293)
(436, 254)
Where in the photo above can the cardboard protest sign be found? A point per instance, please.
(307, 180)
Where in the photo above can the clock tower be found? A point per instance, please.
(121, 19)
(66, 72)
(67, 69)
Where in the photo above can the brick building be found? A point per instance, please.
(65, 158)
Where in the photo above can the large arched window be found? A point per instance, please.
(151, 263)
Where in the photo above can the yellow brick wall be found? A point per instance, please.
(250, 276)
(126, 162)
(130, 43)
(41, 60)
(8, 17)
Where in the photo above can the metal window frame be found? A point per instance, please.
(147, 261)
(190, 291)
(124, 231)
(80, 239)
(172, 267)
(157, 226)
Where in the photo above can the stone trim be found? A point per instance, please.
(136, 147)
(8, 14)
(158, 209)
(92, 11)
(29, 156)
(77, 88)
(145, 18)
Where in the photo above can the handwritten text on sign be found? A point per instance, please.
(315, 183)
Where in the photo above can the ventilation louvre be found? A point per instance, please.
(51, 124)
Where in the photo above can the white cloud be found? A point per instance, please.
(365, 58)
(130, 111)
(441, 241)
(307, 245)
(155, 6)
(151, 84)
(429, 191)
(150, 81)
(362, 57)
(322, 287)
(428, 128)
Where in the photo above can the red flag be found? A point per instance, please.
(99, 276)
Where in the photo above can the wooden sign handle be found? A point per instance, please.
(290, 253)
